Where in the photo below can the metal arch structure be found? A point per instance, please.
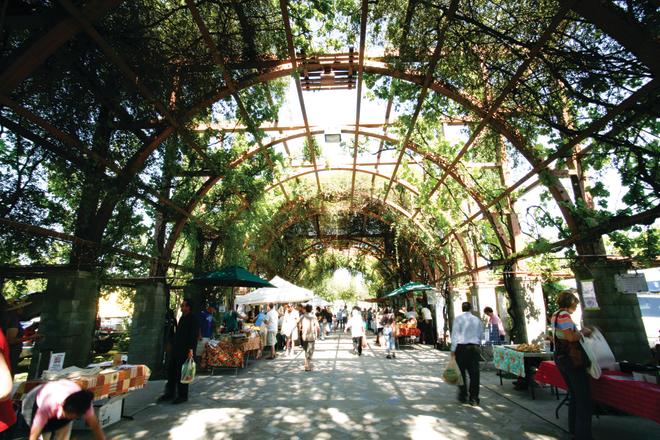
(642, 47)
(367, 213)
(409, 187)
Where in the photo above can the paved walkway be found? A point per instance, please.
(367, 397)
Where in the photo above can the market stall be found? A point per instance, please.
(520, 360)
(109, 385)
(614, 388)
(231, 351)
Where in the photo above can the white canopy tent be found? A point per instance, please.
(284, 292)
(317, 301)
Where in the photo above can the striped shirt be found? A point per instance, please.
(561, 321)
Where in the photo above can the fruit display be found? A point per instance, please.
(528, 348)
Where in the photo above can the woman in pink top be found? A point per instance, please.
(497, 331)
(56, 405)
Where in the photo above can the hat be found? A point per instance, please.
(16, 303)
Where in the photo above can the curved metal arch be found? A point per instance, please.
(323, 240)
(439, 161)
(284, 68)
(386, 268)
(299, 216)
(401, 182)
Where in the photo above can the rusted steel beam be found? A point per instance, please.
(513, 82)
(401, 182)
(44, 232)
(425, 88)
(284, 6)
(363, 36)
(648, 91)
(87, 155)
(34, 56)
(133, 79)
(229, 81)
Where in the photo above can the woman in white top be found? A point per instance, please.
(356, 324)
(290, 329)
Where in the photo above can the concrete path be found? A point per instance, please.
(347, 396)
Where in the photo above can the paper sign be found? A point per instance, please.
(56, 361)
(631, 283)
(589, 295)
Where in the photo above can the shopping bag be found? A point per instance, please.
(452, 374)
(188, 371)
(599, 353)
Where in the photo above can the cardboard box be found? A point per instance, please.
(108, 412)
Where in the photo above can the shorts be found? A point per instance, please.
(271, 339)
(308, 346)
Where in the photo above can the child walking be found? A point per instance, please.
(389, 334)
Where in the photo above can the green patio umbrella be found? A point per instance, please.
(231, 276)
(409, 287)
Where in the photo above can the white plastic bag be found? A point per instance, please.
(599, 353)
(188, 371)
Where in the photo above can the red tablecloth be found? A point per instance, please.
(615, 389)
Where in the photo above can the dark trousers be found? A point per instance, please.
(357, 344)
(174, 376)
(579, 406)
(467, 358)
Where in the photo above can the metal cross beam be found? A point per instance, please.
(522, 69)
(363, 37)
(648, 91)
(425, 88)
(284, 6)
(217, 57)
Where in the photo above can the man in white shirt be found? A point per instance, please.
(356, 325)
(465, 347)
(411, 313)
(427, 326)
(271, 320)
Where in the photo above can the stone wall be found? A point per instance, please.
(148, 326)
(619, 317)
(67, 320)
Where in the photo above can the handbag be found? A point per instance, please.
(572, 349)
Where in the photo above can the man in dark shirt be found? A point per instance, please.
(185, 342)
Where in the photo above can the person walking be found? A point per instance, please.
(310, 330)
(465, 341)
(290, 329)
(272, 318)
(340, 318)
(426, 324)
(185, 343)
(389, 337)
(571, 362)
(356, 325)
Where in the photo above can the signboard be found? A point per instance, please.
(589, 295)
(56, 362)
(631, 283)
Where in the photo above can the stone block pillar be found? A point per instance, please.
(530, 309)
(483, 296)
(148, 326)
(67, 320)
(618, 318)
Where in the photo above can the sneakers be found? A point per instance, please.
(388, 356)
(474, 402)
(393, 356)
